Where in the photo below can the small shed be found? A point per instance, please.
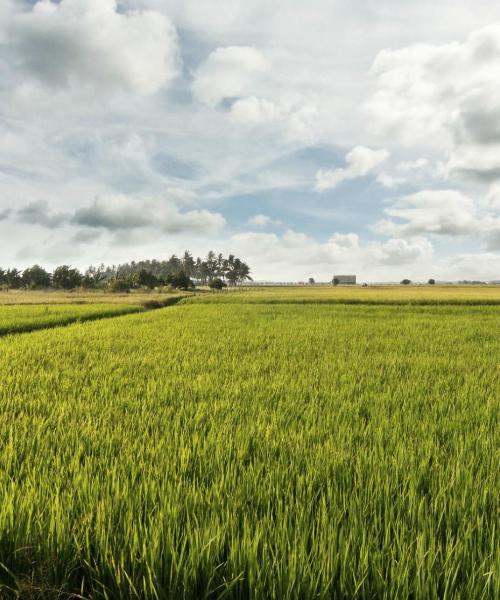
(344, 280)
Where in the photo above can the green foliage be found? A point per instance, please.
(217, 284)
(432, 282)
(305, 451)
(13, 278)
(180, 281)
(118, 285)
(146, 279)
(405, 282)
(67, 278)
(36, 277)
(145, 273)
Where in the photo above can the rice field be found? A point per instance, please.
(418, 295)
(253, 450)
(44, 297)
(21, 318)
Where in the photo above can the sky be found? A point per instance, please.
(308, 138)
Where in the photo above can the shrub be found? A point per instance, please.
(217, 284)
(120, 285)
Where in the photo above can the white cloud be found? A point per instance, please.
(88, 43)
(256, 110)
(441, 212)
(263, 221)
(360, 162)
(390, 181)
(340, 250)
(257, 87)
(229, 73)
(413, 165)
(444, 94)
(119, 213)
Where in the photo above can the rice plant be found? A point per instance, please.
(253, 451)
(20, 318)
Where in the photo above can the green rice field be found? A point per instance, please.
(20, 318)
(231, 448)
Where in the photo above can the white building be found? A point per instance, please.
(344, 280)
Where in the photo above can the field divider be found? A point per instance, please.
(342, 301)
(146, 306)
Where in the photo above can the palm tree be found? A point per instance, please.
(211, 265)
(244, 272)
(188, 263)
(220, 272)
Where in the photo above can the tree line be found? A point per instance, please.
(184, 272)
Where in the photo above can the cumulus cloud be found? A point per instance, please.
(90, 43)
(256, 110)
(360, 162)
(113, 212)
(448, 94)
(254, 87)
(413, 165)
(229, 72)
(38, 212)
(340, 250)
(389, 181)
(119, 213)
(441, 212)
(483, 266)
(262, 221)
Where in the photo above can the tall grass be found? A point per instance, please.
(21, 318)
(392, 295)
(253, 451)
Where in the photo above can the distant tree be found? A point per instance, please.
(217, 284)
(173, 265)
(335, 281)
(432, 282)
(146, 279)
(211, 265)
(36, 277)
(147, 273)
(94, 276)
(118, 285)
(188, 264)
(3, 276)
(67, 278)
(14, 278)
(405, 282)
(180, 280)
(311, 281)
(220, 263)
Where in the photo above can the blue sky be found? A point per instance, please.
(308, 138)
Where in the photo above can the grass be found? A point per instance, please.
(22, 318)
(135, 297)
(263, 451)
(418, 295)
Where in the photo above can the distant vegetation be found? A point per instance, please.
(215, 270)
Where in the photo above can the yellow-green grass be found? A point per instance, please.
(430, 295)
(137, 297)
(253, 452)
(22, 318)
